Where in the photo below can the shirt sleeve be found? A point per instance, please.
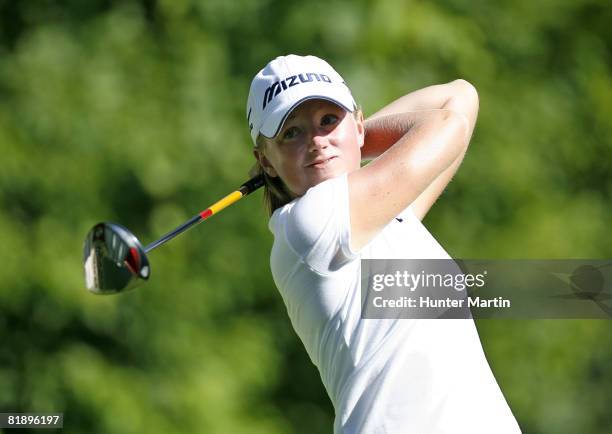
(317, 226)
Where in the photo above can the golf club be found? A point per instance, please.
(114, 259)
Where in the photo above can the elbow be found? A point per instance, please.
(465, 103)
(467, 92)
(456, 130)
(466, 87)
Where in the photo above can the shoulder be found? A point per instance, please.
(314, 209)
(316, 226)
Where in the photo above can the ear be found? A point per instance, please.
(265, 163)
(360, 129)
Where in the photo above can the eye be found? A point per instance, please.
(291, 133)
(329, 119)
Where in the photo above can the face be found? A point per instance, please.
(319, 141)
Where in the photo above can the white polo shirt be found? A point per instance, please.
(383, 376)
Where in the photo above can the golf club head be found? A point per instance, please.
(114, 260)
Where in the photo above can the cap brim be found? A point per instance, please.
(275, 121)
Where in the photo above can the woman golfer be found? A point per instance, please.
(384, 376)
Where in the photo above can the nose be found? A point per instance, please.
(318, 140)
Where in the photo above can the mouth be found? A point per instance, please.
(322, 163)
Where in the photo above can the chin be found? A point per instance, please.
(324, 176)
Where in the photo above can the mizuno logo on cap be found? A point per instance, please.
(282, 85)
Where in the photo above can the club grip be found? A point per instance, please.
(252, 184)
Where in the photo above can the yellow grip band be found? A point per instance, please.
(225, 202)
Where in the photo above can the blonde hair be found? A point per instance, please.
(276, 193)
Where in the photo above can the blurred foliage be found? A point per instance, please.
(133, 111)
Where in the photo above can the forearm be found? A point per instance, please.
(382, 131)
(389, 124)
(427, 98)
(403, 173)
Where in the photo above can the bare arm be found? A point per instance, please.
(388, 125)
(416, 155)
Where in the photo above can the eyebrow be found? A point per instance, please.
(290, 117)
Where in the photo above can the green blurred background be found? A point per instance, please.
(133, 112)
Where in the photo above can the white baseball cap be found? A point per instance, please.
(286, 82)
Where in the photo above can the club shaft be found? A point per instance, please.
(246, 188)
(182, 228)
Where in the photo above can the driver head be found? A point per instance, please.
(114, 260)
